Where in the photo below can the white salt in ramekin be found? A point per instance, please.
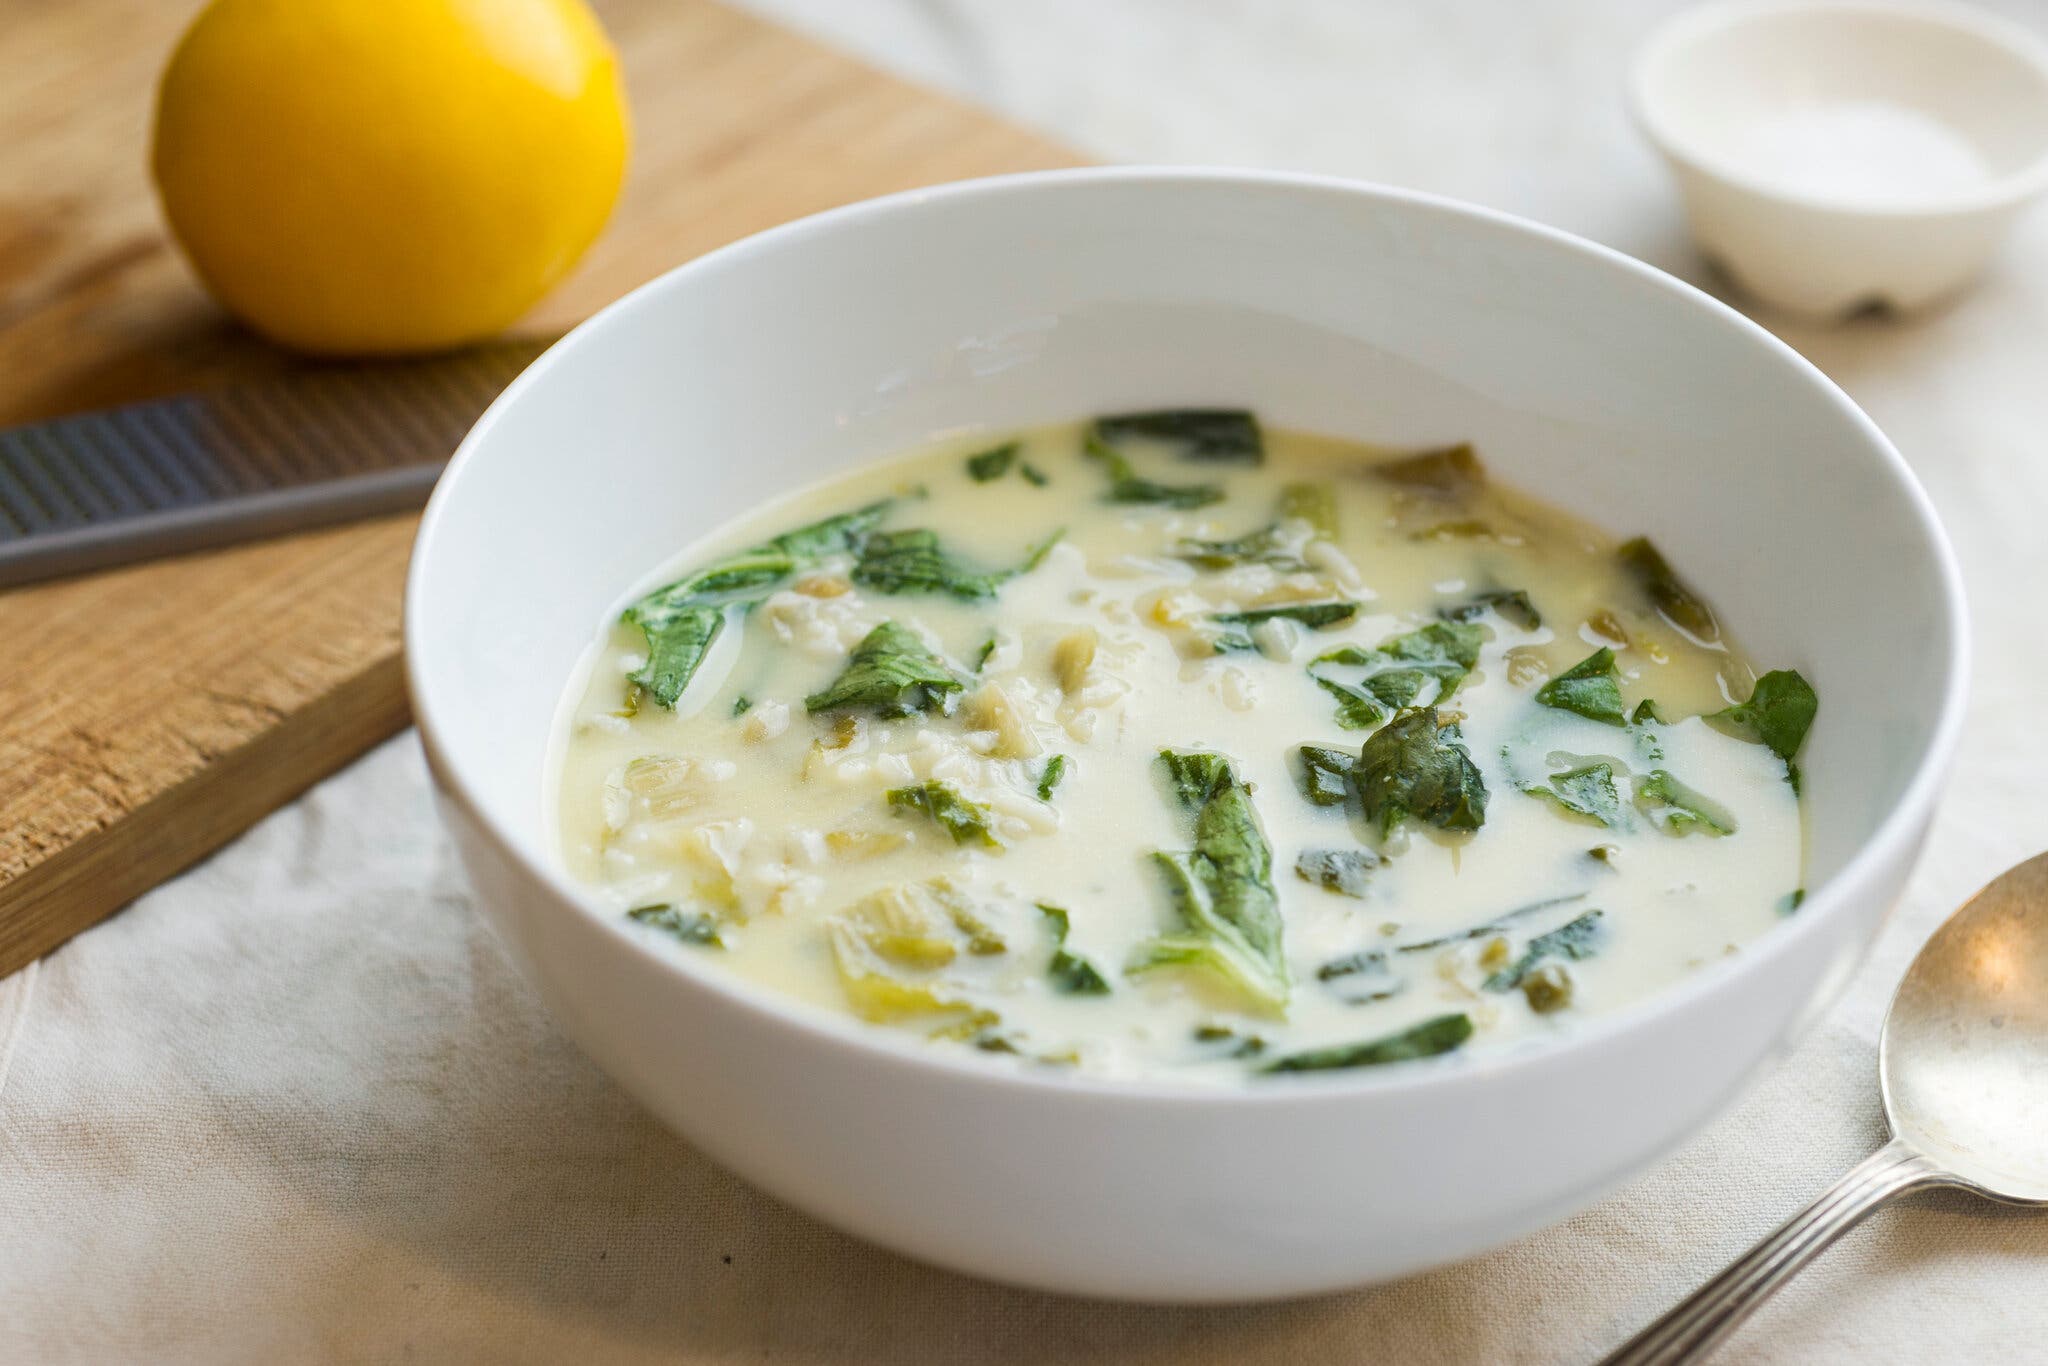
(1705, 82)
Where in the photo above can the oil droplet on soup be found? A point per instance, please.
(1166, 745)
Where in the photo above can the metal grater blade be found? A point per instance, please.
(322, 445)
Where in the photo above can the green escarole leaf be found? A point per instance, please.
(1217, 435)
(1450, 473)
(1274, 544)
(682, 620)
(1576, 939)
(1222, 889)
(1591, 687)
(1049, 777)
(891, 672)
(965, 821)
(1645, 564)
(1779, 711)
(1416, 766)
(1394, 674)
(1126, 487)
(1431, 1037)
(833, 536)
(1070, 974)
(1587, 791)
(993, 463)
(1314, 503)
(688, 926)
(1679, 809)
(1343, 871)
(1495, 925)
(678, 638)
(1195, 775)
(1512, 605)
(1326, 774)
(912, 561)
(1316, 616)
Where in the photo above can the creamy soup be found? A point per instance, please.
(1168, 745)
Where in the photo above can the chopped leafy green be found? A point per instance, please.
(1591, 687)
(1220, 435)
(1260, 546)
(1511, 604)
(742, 704)
(678, 638)
(1326, 774)
(1223, 887)
(1343, 871)
(1361, 978)
(1395, 672)
(1351, 964)
(832, 536)
(1315, 504)
(964, 820)
(911, 561)
(1678, 808)
(981, 656)
(1458, 529)
(1449, 473)
(1049, 776)
(1667, 592)
(1493, 926)
(1126, 487)
(1033, 475)
(982, 940)
(1439, 1035)
(1248, 1045)
(1356, 708)
(891, 672)
(1587, 791)
(1417, 766)
(1779, 711)
(688, 926)
(681, 620)
(1071, 975)
(1036, 555)
(1314, 615)
(1575, 939)
(1791, 901)
(993, 463)
(1196, 776)
(1548, 988)
(1646, 712)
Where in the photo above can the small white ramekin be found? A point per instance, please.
(1703, 83)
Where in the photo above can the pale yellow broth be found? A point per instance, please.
(772, 826)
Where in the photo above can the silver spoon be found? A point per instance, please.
(1963, 1063)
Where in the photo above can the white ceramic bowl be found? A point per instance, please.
(1324, 305)
(1817, 143)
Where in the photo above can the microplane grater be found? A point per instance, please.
(309, 448)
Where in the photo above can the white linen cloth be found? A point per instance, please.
(295, 1105)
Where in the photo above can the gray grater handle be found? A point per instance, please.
(320, 446)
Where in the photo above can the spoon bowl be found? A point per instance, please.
(1964, 1056)
(1963, 1063)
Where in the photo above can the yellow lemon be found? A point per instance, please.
(377, 176)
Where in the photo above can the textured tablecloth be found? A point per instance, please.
(296, 1106)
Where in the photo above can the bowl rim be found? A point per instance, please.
(862, 1044)
(1667, 41)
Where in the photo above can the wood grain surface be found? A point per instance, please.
(149, 714)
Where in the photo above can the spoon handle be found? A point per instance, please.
(1696, 1325)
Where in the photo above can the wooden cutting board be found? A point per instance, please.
(149, 714)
